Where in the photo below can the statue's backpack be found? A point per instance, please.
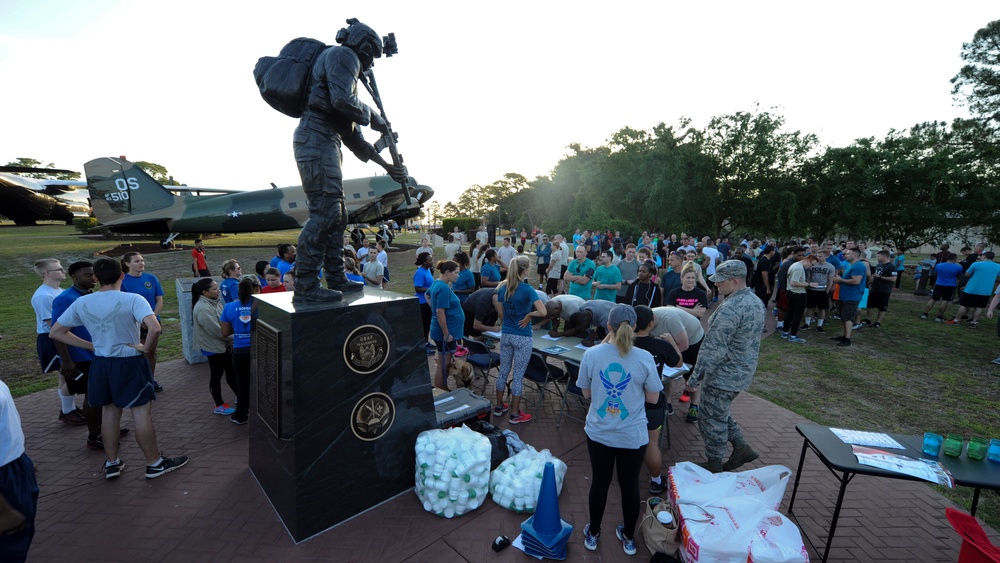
(284, 80)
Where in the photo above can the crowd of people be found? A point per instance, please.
(638, 306)
(622, 297)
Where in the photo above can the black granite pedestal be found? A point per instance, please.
(339, 393)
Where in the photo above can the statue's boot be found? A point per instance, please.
(340, 282)
(315, 293)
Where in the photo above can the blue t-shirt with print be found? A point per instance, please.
(240, 316)
(229, 289)
(145, 285)
(514, 309)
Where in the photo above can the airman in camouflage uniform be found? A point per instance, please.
(726, 365)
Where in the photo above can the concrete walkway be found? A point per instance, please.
(213, 510)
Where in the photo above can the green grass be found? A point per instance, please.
(20, 247)
(910, 376)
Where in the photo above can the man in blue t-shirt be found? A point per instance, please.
(982, 277)
(580, 274)
(607, 278)
(75, 362)
(948, 273)
(852, 287)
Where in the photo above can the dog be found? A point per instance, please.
(461, 371)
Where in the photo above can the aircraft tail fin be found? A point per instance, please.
(120, 189)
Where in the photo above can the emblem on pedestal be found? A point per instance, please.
(372, 416)
(366, 349)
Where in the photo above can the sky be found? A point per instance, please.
(477, 89)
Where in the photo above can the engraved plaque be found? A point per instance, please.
(373, 416)
(366, 349)
(269, 376)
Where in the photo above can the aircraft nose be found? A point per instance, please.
(424, 193)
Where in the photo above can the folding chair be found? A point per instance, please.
(482, 360)
(539, 374)
(572, 390)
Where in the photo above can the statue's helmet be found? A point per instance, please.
(362, 40)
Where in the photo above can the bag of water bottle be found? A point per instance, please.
(452, 471)
(516, 482)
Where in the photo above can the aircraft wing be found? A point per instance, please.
(196, 191)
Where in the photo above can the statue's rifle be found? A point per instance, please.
(388, 138)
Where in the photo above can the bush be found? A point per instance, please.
(85, 224)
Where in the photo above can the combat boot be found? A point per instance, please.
(340, 282)
(741, 454)
(713, 464)
(315, 294)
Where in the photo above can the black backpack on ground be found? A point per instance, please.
(498, 442)
(284, 80)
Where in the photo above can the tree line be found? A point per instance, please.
(746, 172)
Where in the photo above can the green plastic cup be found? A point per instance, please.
(953, 445)
(977, 448)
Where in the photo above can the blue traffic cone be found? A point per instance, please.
(545, 533)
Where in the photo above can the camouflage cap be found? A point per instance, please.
(728, 270)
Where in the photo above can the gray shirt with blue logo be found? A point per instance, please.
(617, 416)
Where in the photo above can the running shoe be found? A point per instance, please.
(692, 416)
(73, 418)
(685, 397)
(655, 488)
(112, 470)
(165, 466)
(499, 410)
(589, 541)
(224, 409)
(627, 544)
(521, 417)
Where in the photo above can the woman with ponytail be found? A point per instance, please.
(619, 379)
(517, 303)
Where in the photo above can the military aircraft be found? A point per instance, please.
(126, 199)
(27, 200)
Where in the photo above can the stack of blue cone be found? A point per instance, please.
(545, 534)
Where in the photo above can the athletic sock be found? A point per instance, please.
(656, 479)
(155, 463)
(781, 325)
(109, 463)
(809, 321)
(819, 322)
(67, 402)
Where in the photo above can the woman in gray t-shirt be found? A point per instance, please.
(618, 379)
